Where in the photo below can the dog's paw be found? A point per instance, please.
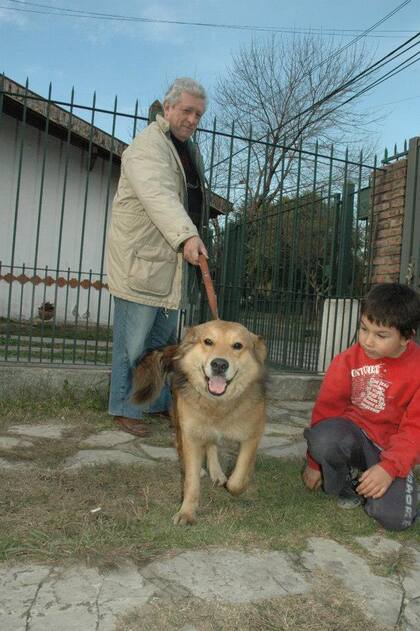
(182, 518)
(236, 487)
(218, 479)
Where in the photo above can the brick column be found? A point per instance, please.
(388, 216)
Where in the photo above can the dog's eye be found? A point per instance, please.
(237, 346)
(208, 342)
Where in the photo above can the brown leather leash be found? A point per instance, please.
(208, 284)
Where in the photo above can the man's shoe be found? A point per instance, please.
(164, 413)
(132, 426)
(348, 498)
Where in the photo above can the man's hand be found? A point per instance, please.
(311, 478)
(374, 482)
(192, 248)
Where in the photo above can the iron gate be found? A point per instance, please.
(292, 231)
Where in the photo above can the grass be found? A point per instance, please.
(42, 353)
(51, 516)
(46, 514)
(57, 330)
(327, 609)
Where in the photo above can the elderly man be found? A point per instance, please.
(153, 235)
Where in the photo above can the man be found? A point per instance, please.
(157, 210)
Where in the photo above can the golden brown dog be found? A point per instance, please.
(218, 389)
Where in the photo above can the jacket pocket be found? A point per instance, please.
(152, 272)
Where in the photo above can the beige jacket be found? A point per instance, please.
(149, 222)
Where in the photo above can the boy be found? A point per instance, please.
(365, 430)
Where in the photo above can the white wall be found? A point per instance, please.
(31, 205)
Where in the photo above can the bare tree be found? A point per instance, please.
(276, 88)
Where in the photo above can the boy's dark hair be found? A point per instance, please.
(393, 304)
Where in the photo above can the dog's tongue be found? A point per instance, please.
(217, 384)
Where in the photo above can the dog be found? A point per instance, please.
(218, 391)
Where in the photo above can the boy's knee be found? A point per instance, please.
(320, 442)
(331, 437)
(388, 520)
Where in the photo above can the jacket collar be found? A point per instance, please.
(163, 124)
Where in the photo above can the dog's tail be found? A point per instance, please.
(151, 372)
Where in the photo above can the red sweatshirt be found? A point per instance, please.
(382, 397)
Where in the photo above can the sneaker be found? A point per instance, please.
(348, 498)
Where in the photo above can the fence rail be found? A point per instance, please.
(289, 229)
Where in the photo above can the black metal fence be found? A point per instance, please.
(289, 233)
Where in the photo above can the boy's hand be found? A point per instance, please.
(374, 482)
(311, 478)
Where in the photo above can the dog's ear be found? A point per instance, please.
(260, 348)
(188, 340)
(190, 336)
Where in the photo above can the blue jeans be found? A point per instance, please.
(137, 329)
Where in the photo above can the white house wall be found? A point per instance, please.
(51, 180)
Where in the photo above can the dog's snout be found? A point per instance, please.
(219, 365)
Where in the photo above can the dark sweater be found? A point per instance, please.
(195, 196)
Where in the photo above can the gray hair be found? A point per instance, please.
(184, 84)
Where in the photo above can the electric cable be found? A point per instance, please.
(78, 13)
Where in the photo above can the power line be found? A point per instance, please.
(409, 98)
(394, 71)
(46, 9)
(373, 67)
(391, 73)
(365, 33)
(344, 86)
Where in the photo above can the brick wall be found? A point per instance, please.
(388, 215)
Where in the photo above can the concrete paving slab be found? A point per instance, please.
(299, 420)
(19, 585)
(231, 576)
(38, 598)
(9, 442)
(107, 438)
(283, 429)
(409, 572)
(91, 457)
(39, 431)
(276, 414)
(304, 407)
(412, 616)
(412, 573)
(12, 464)
(293, 450)
(157, 453)
(273, 441)
(378, 546)
(35, 597)
(379, 597)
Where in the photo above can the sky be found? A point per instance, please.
(138, 60)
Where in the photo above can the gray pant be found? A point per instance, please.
(337, 444)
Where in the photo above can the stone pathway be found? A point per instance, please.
(37, 597)
(282, 440)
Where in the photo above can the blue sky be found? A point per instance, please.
(138, 60)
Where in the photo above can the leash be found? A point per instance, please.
(208, 284)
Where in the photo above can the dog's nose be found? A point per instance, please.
(219, 365)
